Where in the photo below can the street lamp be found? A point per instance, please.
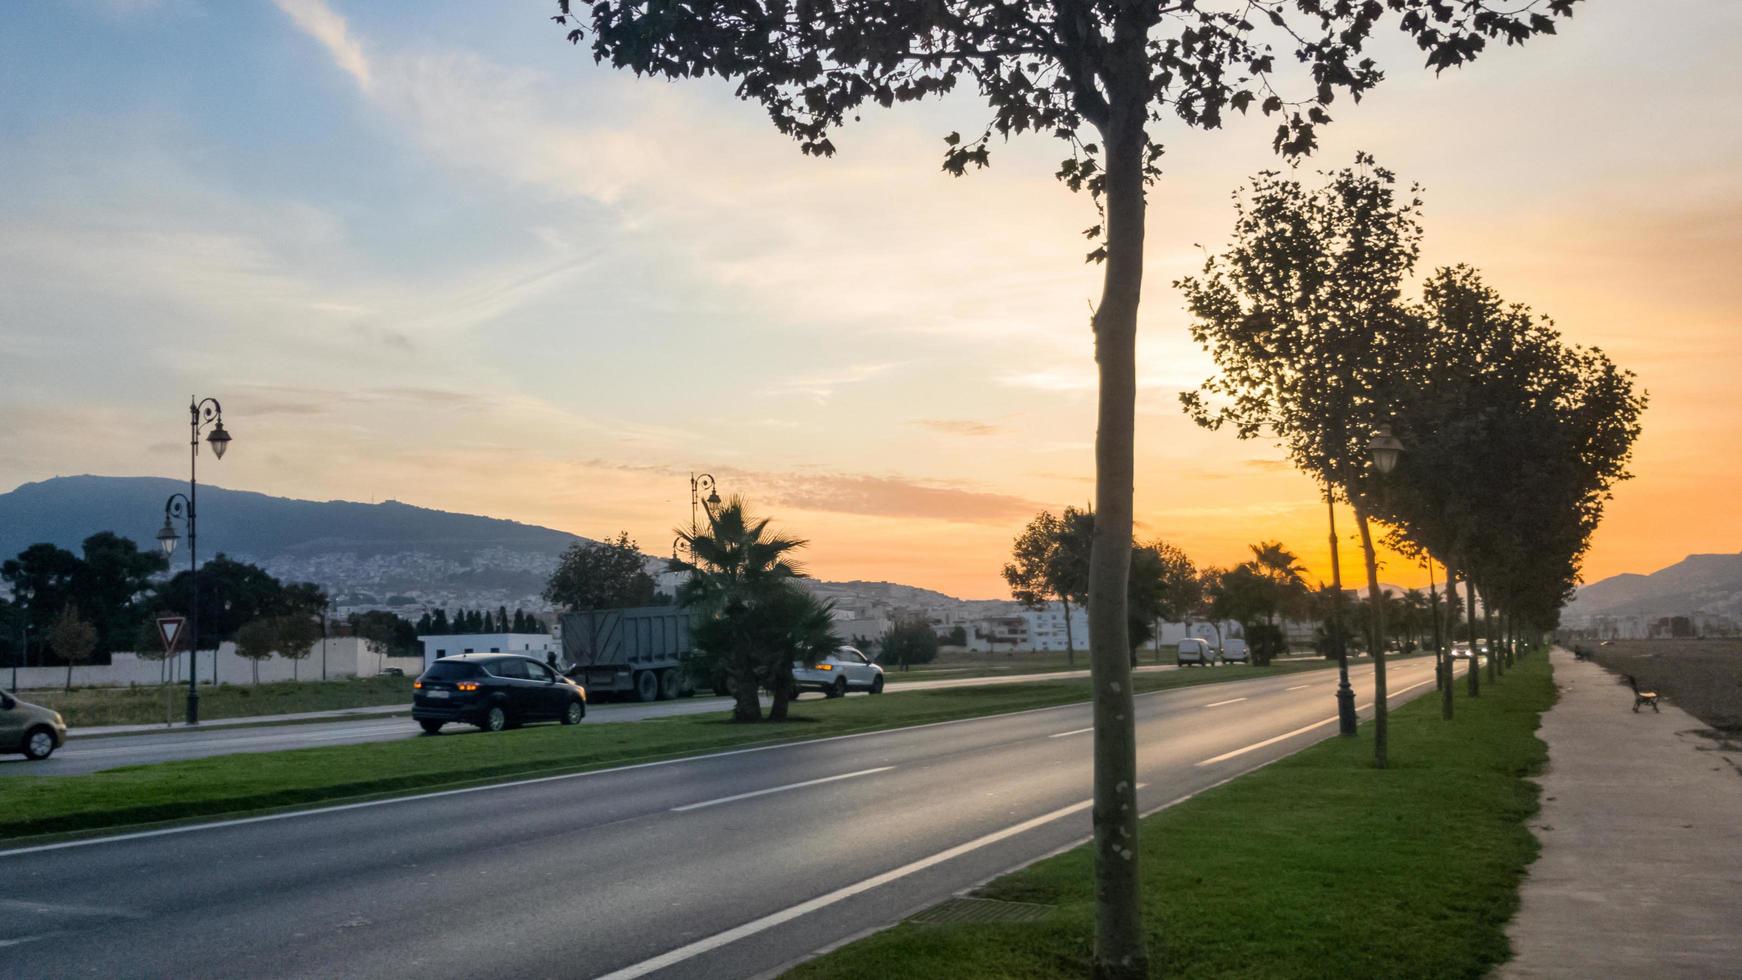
(201, 413)
(699, 483)
(1385, 448)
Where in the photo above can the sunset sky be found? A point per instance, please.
(428, 251)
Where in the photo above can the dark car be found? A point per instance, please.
(494, 691)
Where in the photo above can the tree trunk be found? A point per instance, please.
(747, 707)
(1475, 657)
(1442, 656)
(1070, 641)
(1377, 600)
(782, 688)
(69, 675)
(1494, 652)
(1120, 951)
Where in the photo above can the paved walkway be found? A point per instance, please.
(1641, 827)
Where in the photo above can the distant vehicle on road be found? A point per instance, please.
(392, 672)
(844, 670)
(30, 729)
(494, 691)
(1461, 650)
(1195, 651)
(640, 652)
(1235, 651)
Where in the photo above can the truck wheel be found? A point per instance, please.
(430, 726)
(38, 744)
(646, 685)
(840, 688)
(668, 685)
(495, 719)
(573, 714)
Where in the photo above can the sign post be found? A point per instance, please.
(169, 630)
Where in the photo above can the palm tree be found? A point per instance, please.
(1413, 606)
(1286, 573)
(739, 565)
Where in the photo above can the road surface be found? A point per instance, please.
(725, 866)
(90, 754)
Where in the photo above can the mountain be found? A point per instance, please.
(375, 550)
(1698, 584)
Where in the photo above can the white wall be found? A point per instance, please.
(344, 657)
(451, 644)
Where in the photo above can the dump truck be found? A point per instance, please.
(640, 652)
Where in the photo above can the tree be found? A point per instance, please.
(113, 582)
(610, 574)
(1093, 73)
(1248, 597)
(1304, 319)
(740, 565)
(72, 639)
(42, 579)
(1163, 587)
(231, 594)
(1050, 560)
(387, 631)
(256, 641)
(908, 641)
(296, 635)
(1286, 574)
(794, 626)
(958, 636)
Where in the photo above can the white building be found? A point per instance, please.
(1048, 629)
(535, 645)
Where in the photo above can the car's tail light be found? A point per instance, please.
(417, 685)
(466, 686)
(824, 667)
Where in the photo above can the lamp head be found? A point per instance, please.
(167, 538)
(1386, 448)
(219, 439)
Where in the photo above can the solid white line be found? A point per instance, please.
(778, 789)
(1255, 746)
(1297, 687)
(1218, 704)
(1075, 731)
(786, 915)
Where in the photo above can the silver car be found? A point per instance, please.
(844, 670)
(30, 729)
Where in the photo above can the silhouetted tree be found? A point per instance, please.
(72, 639)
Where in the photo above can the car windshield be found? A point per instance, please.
(447, 670)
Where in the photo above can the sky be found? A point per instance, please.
(430, 252)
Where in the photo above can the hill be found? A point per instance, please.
(372, 551)
(1697, 585)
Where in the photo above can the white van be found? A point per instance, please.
(1195, 650)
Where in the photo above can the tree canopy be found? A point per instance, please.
(609, 574)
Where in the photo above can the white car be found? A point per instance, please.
(1194, 650)
(844, 670)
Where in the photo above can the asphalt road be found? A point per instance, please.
(90, 754)
(725, 866)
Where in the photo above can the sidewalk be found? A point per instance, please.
(97, 731)
(1641, 828)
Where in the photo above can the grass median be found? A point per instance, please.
(1315, 866)
(252, 782)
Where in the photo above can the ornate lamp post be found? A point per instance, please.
(699, 483)
(200, 415)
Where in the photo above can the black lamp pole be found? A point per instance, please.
(1345, 693)
(201, 413)
(699, 483)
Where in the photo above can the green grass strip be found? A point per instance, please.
(252, 782)
(1318, 865)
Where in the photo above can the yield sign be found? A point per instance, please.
(169, 631)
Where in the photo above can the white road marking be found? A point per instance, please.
(18, 942)
(1218, 704)
(778, 789)
(1255, 746)
(1297, 687)
(1074, 731)
(786, 915)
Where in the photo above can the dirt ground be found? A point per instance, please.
(1702, 677)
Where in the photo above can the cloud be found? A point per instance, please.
(879, 496)
(960, 427)
(821, 386)
(320, 22)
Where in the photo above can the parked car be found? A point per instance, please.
(1235, 651)
(844, 670)
(30, 729)
(1195, 651)
(494, 691)
(392, 672)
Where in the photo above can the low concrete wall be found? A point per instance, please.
(341, 657)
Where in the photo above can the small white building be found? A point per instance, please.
(535, 645)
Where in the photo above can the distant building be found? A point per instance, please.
(534, 645)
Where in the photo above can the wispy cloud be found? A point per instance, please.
(320, 22)
(960, 427)
(821, 386)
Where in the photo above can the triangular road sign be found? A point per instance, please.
(169, 631)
